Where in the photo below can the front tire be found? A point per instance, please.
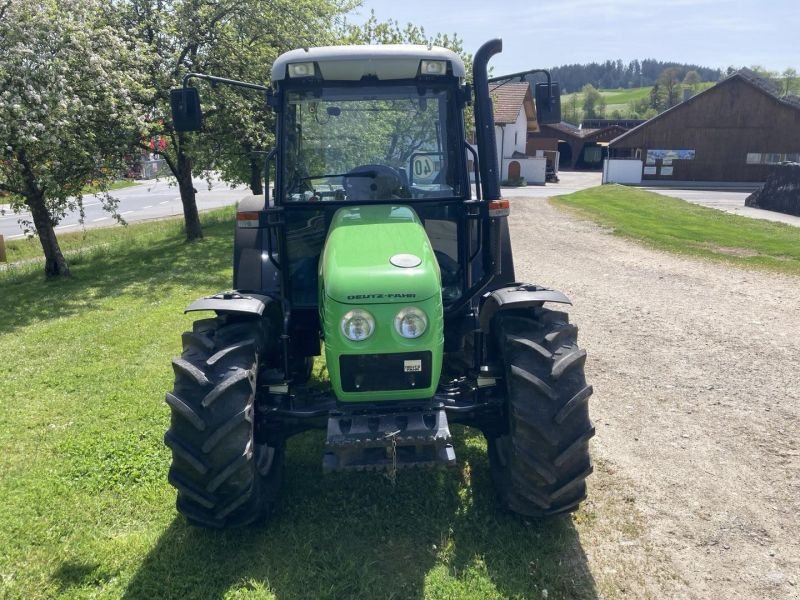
(222, 476)
(540, 463)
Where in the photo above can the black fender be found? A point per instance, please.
(517, 295)
(231, 302)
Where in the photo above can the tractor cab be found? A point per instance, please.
(375, 123)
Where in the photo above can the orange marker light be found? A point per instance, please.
(499, 208)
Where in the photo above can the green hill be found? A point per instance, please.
(621, 100)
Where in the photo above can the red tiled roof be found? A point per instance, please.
(507, 99)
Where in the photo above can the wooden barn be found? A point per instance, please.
(731, 132)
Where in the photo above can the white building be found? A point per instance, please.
(514, 118)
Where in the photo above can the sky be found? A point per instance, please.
(548, 33)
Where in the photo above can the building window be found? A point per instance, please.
(753, 158)
(771, 158)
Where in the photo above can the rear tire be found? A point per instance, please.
(540, 463)
(222, 476)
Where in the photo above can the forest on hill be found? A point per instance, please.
(615, 74)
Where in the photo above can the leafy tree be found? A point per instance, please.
(237, 39)
(65, 110)
(669, 83)
(790, 83)
(572, 113)
(656, 97)
(692, 79)
(594, 105)
(639, 107)
(690, 82)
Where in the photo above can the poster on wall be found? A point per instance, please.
(666, 171)
(669, 155)
(650, 170)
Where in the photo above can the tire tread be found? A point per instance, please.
(540, 464)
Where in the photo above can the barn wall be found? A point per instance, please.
(722, 125)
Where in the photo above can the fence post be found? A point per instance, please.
(2, 250)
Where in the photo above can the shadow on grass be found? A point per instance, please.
(354, 536)
(147, 269)
(71, 574)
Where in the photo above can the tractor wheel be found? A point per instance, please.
(222, 476)
(540, 463)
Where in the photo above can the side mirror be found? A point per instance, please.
(548, 103)
(186, 112)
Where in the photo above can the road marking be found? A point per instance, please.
(65, 226)
(100, 219)
(127, 212)
(16, 237)
(176, 198)
(148, 206)
(164, 202)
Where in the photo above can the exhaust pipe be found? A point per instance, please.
(484, 120)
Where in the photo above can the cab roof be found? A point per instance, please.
(351, 63)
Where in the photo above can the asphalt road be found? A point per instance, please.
(157, 199)
(148, 200)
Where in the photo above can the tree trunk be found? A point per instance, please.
(255, 178)
(54, 263)
(191, 217)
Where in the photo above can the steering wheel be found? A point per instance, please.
(374, 182)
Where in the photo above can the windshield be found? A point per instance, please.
(371, 143)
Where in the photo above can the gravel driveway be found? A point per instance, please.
(696, 370)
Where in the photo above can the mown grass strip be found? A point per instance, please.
(25, 255)
(684, 228)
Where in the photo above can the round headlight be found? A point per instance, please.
(410, 322)
(358, 325)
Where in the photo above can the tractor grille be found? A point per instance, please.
(385, 372)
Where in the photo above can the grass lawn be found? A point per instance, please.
(87, 511)
(685, 228)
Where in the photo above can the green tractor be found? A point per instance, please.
(374, 243)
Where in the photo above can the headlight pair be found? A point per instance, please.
(358, 324)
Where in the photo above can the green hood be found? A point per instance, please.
(363, 243)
